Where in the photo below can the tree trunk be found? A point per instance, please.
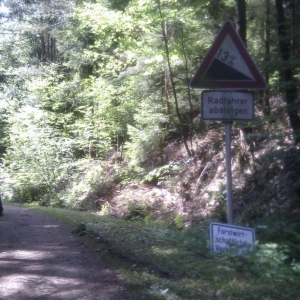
(167, 83)
(43, 47)
(290, 89)
(165, 38)
(267, 56)
(241, 27)
(189, 96)
(42, 42)
(241, 23)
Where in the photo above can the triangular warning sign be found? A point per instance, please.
(228, 65)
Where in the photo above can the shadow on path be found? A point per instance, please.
(41, 259)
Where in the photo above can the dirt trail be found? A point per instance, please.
(41, 259)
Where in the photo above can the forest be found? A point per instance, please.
(98, 116)
(97, 112)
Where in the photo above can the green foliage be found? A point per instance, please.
(137, 211)
(129, 174)
(158, 175)
(178, 220)
(39, 158)
(102, 81)
(269, 259)
(90, 181)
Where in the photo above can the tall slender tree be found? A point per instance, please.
(241, 21)
(290, 87)
(267, 29)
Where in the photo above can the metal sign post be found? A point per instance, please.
(228, 126)
(228, 67)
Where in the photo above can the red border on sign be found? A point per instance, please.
(198, 82)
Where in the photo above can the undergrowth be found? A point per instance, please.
(171, 263)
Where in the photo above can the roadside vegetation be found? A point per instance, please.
(166, 262)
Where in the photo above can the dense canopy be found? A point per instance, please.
(96, 96)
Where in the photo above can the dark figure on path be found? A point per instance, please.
(1, 207)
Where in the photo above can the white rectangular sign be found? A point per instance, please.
(229, 238)
(227, 106)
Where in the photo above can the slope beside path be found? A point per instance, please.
(40, 258)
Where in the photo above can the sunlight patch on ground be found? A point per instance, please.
(16, 284)
(24, 254)
(47, 226)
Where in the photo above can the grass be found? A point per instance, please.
(168, 263)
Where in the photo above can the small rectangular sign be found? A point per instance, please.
(234, 239)
(227, 106)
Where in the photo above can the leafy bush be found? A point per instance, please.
(137, 211)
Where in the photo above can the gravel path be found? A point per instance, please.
(41, 259)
